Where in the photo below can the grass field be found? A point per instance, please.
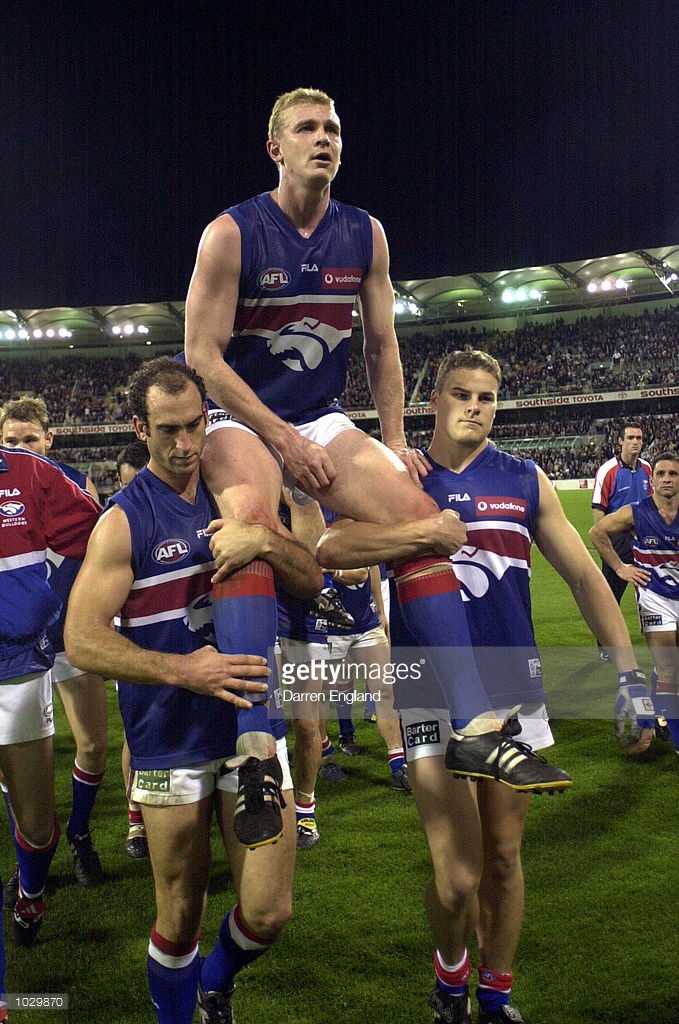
(600, 863)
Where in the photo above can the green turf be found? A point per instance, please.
(600, 865)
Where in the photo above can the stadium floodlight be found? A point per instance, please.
(37, 334)
(508, 295)
(10, 335)
(128, 329)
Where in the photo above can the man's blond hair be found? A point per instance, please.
(467, 359)
(294, 99)
(25, 409)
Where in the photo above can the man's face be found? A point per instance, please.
(310, 145)
(466, 406)
(666, 478)
(26, 434)
(174, 432)
(631, 444)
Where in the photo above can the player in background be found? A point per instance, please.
(149, 562)
(25, 422)
(355, 653)
(269, 317)
(474, 833)
(653, 523)
(620, 481)
(40, 509)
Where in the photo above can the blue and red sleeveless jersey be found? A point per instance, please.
(656, 548)
(169, 608)
(293, 323)
(498, 497)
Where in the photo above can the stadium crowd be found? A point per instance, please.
(591, 354)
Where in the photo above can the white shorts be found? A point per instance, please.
(63, 670)
(321, 431)
(336, 648)
(426, 733)
(657, 614)
(167, 787)
(26, 710)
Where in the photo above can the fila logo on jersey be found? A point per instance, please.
(459, 497)
(10, 509)
(514, 508)
(171, 550)
(273, 279)
(310, 268)
(12, 492)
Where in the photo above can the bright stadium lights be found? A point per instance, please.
(521, 294)
(129, 329)
(608, 285)
(405, 305)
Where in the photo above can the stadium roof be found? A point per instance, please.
(649, 274)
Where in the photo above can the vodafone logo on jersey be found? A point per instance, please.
(514, 508)
(341, 279)
(273, 278)
(169, 551)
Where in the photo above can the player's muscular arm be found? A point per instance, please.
(350, 544)
(381, 353)
(210, 313)
(235, 543)
(562, 546)
(600, 534)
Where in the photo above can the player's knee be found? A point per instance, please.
(504, 861)
(247, 504)
(267, 921)
(457, 889)
(414, 504)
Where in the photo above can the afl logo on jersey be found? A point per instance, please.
(9, 509)
(650, 542)
(170, 551)
(273, 279)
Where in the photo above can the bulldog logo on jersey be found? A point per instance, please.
(199, 618)
(303, 343)
(10, 509)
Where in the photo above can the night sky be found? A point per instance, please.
(484, 136)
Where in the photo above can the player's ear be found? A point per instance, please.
(434, 398)
(139, 428)
(274, 150)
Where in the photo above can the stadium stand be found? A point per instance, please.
(597, 364)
